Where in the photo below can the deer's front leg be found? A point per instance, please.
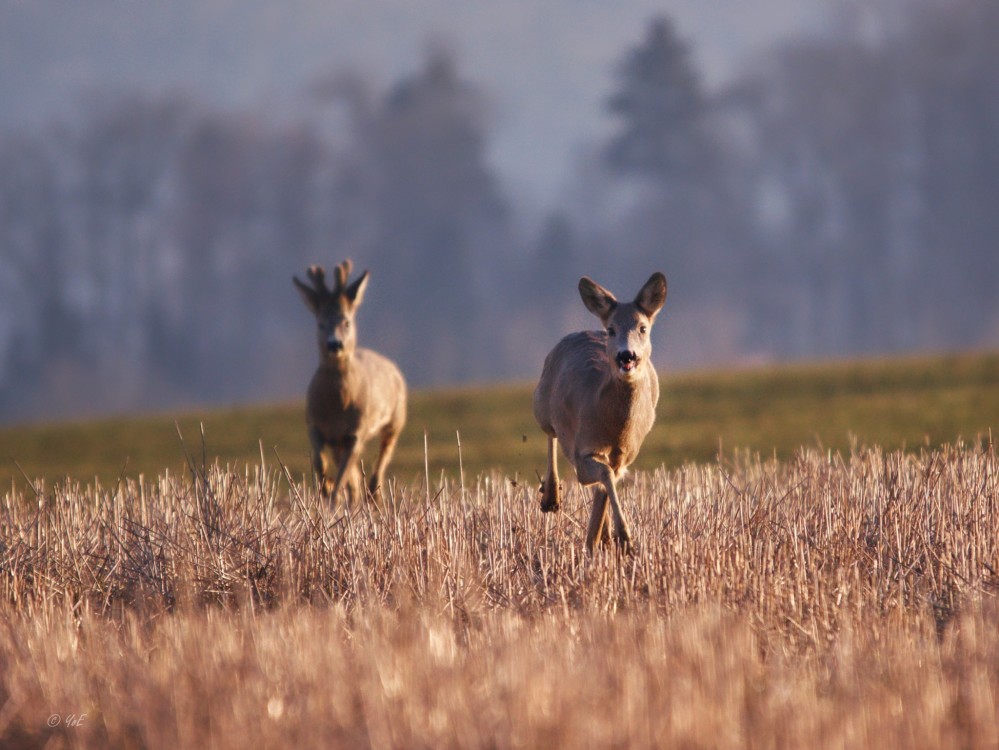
(598, 530)
(345, 454)
(320, 460)
(550, 499)
(389, 438)
(591, 470)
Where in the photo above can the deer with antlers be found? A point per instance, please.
(597, 397)
(356, 394)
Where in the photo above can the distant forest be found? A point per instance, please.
(839, 197)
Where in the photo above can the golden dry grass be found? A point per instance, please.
(824, 601)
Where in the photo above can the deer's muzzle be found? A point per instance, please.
(626, 360)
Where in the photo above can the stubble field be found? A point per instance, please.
(818, 598)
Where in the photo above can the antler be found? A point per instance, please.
(319, 290)
(342, 274)
(317, 275)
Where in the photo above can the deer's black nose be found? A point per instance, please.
(334, 345)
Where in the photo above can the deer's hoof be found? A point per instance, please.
(626, 547)
(551, 496)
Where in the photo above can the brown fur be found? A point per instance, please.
(356, 394)
(598, 410)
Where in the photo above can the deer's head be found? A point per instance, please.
(334, 308)
(627, 324)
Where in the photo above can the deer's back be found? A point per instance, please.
(581, 402)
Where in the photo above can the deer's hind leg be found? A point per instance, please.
(550, 495)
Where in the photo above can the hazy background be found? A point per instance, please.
(815, 178)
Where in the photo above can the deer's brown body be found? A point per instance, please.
(597, 396)
(355, 395)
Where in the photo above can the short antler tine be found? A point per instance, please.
(342, 274)
(317, 275)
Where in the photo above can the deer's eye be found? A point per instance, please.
(346, 324)
(643, 329)
(610, 330)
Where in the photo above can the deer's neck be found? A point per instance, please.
(623, 390)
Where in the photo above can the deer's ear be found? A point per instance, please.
(355, 292)
(652, 296)
(310, 295)
(598, 300)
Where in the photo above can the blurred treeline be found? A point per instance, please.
(841, 196)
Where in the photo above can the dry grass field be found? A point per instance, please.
(823, 600)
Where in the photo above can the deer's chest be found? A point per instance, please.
(334, 408)
(619, 426)
(627, 431)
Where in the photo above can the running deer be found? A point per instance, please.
(597, 396)
(355, 395)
